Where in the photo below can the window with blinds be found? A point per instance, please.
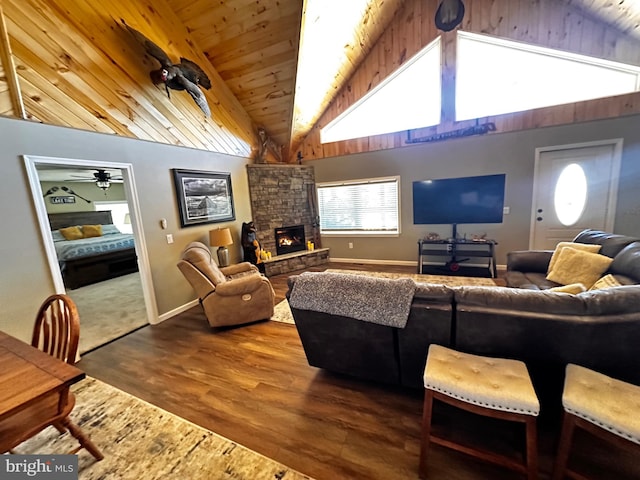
(370, 206)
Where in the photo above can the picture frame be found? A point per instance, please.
(203, 197)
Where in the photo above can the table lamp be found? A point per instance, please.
(221, 237)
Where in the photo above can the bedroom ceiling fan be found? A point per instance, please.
(102, 178)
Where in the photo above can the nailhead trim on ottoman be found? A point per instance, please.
(604, 401)
(606, 407)
(495, 383)
(493, 387)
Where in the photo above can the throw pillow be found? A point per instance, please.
(90, 231)
(578, 266)
(71, 233)
(607, 281)
(587, 247)
(573, 288)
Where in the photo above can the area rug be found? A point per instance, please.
(109, 310)
(141, 441)
(282, 313)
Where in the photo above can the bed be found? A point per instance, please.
(91, 260)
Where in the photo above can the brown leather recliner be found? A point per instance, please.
(230, 295)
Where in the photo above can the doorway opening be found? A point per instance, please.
(111, 304)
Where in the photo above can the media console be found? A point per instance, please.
(457, 257)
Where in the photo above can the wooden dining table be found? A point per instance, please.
(28, 378)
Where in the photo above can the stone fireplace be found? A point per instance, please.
(290, 239)
(280, 197)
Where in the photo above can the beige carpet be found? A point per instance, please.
(109, 310)
(282, 312)
(141, 441)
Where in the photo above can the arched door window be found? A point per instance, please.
(570, 194)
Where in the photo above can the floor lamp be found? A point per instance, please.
(221, 237)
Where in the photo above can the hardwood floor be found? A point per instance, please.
(253, 385)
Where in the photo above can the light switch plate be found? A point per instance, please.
(169, 238)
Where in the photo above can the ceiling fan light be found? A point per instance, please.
(103, 184)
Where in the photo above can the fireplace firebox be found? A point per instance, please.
(290, 239)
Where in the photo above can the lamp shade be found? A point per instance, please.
(220, 236)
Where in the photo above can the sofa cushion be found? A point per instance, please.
(577, 266)
(529, 260)
(612, 243)
(529, 280)
(578, 246)
(627, 263)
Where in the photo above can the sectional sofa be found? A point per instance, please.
(599, 329)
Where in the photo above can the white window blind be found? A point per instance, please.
(360, 207)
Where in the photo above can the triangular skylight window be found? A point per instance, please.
(496, 76)
(407, 99)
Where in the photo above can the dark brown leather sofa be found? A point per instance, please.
(598, 329)
(377, 352)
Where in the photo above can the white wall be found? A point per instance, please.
(512, 153)
(25, 280)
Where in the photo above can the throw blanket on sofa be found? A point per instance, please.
(378, 300)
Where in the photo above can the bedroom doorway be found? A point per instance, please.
(110, 304)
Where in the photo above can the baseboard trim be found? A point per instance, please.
(176, 311)
(370, 261)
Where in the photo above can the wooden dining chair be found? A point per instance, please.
(56, 332)
(57, 328)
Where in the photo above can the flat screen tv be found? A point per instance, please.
(459, 200)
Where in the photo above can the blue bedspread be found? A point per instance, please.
(70, 249)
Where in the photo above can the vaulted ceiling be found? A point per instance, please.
(75, 65)
(254, 47)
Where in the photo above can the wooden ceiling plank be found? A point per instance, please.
(39, 41)
(75, 89)
(225, 107)
(60, 106)
(110, 92)
(245, 23)
(176, 120)
(280, 53)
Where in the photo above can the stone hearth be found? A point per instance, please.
(291, 262)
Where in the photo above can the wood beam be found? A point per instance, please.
(6, 57)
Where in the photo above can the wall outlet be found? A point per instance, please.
(169, 238)
(350, 244)
(506, 210)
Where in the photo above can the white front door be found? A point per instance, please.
(575, 187)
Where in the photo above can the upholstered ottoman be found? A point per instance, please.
(606, 407)
(493, 387)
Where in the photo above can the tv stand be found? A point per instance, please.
(461, 257)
